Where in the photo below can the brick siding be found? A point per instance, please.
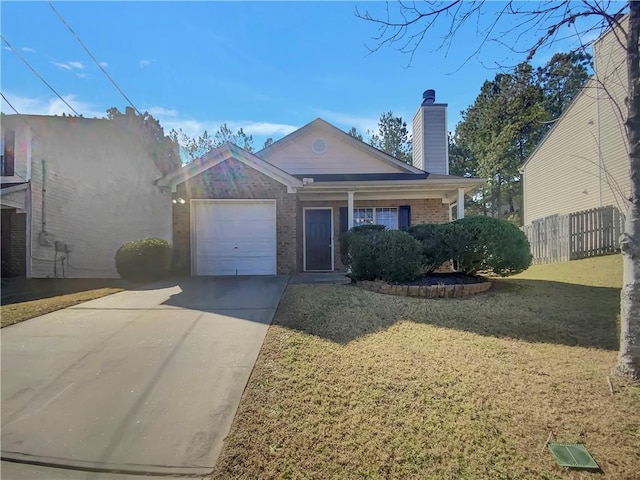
(14, 243)
(426, 210)
(232, 179)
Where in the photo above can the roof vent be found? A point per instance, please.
(319, 146)
(428, 97)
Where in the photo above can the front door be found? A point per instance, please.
(318, 239)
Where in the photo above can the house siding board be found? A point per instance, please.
(429, 210)
(417, 140)
(434, 142)
(297, 158)
(233, 179)
(583, 162)
(99, 194)
(562, 175)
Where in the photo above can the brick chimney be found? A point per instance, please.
(430, 142)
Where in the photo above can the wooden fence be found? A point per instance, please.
(589, 233)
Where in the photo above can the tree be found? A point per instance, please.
(355, 133)
(546, 20)
(161, 147)
(392, 137)
(513, 109)
(562, 78)
(194, 147)
(268, 142)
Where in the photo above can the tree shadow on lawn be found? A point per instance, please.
(530, 310)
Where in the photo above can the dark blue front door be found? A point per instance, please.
(317, 228)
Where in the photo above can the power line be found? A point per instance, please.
(9, 103)
(38, 75)
(93, 58)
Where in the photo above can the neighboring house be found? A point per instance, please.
(73, 191)
(583, 163)
(282, 209)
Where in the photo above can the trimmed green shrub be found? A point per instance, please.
(358, 251)
(493, 245)
(144, 260)
(399, 256)
(434, 249)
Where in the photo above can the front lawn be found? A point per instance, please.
(18, 312)
(354, 384)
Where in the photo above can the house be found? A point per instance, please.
(582, 163)
(281, 210)
(73, 191)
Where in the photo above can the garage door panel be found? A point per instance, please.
(235, 238)
(238, 248)
(235, 266)
(239, 228)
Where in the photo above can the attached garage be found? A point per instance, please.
(233, 237)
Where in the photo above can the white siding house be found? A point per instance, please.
(84, 187)
(582, 163)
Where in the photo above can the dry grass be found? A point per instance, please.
(18, 312)
(353, 384)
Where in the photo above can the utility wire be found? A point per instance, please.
(39, 76)
(9, 103)
(93, 58)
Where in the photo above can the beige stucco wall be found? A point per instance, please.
(297, 158)
(582, 163)
(99, 193)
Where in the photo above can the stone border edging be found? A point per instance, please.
(426, 291)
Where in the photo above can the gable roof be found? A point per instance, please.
(359, 144)
(222, 153)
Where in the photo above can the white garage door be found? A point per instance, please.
(234, 237)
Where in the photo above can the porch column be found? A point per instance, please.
(350, 210)
(461, 203)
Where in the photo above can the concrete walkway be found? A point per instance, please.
(140, 382)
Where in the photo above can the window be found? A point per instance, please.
(378, 216)
(7, 149)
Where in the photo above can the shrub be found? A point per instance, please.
(434, 250)
(358, 251)
(399, 256)
(144, 260)
(494, 245)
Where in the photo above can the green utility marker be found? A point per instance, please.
(573, 455)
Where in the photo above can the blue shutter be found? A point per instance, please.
(404, 216)
(344, 219)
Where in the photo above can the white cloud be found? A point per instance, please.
(82, 75)
(347, 120)
(50, 106)
(104, 64)
(162, 112)
(68, 66)
(28, 49)
(263, 128)
(63, 66)
(169, 119)
(144, 63)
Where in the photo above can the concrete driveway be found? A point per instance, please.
(140, 382)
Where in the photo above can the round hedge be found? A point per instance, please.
(493, 245)
(144, 260)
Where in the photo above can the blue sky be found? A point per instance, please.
(268, 67)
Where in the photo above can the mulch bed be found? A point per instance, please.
(452, 278)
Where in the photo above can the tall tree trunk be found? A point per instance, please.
(629, 356)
